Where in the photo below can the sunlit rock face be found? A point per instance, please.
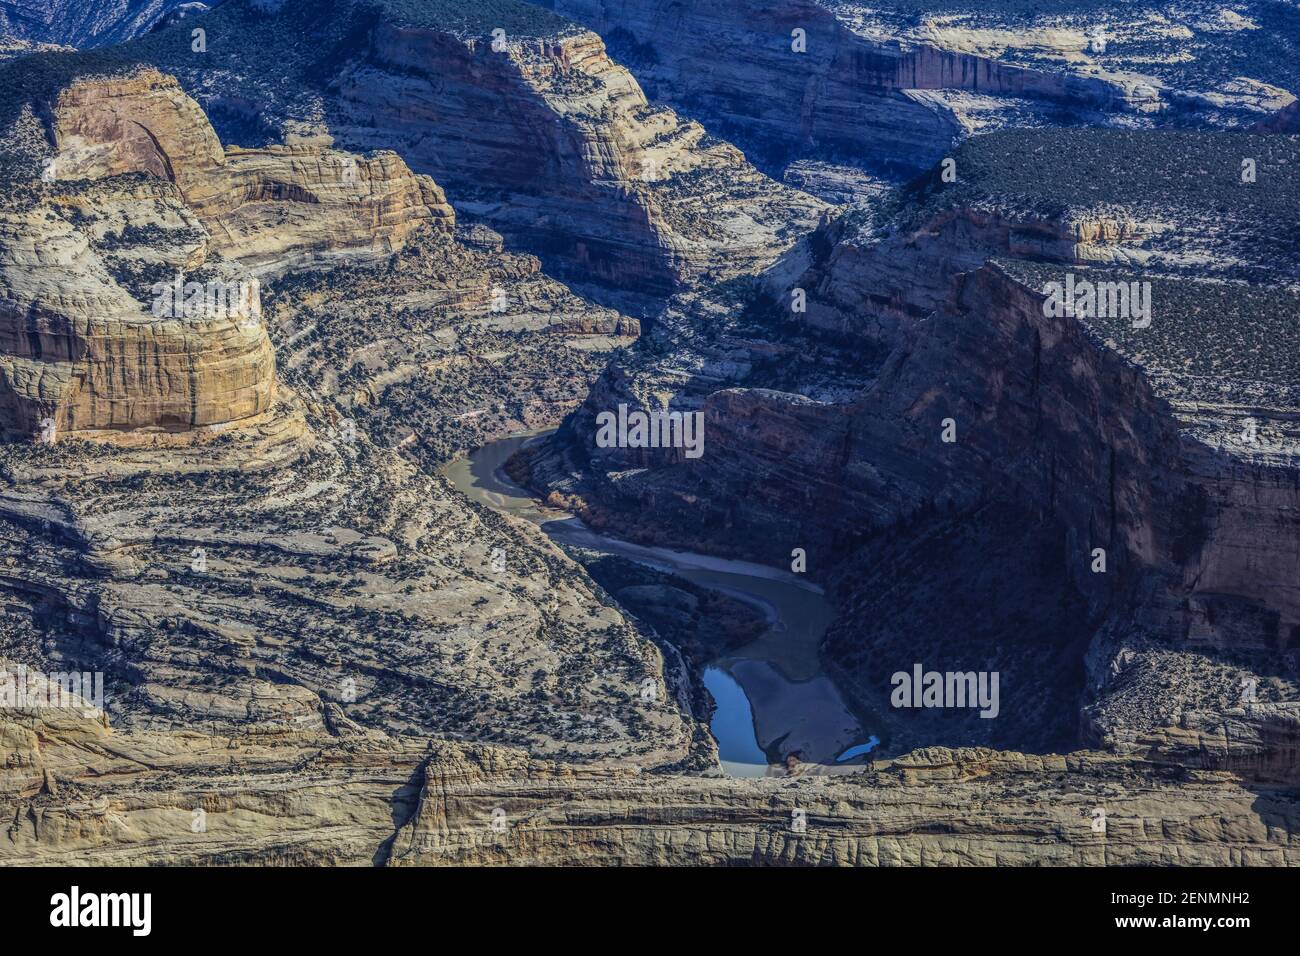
(570, 159)
(309, 631)
(270, 207)
(890, 86)
(82, 355)
(379, 588)
(521, 114)
(129, 285)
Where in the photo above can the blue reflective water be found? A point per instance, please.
(772, 693)
(733, 726)
(872, 743)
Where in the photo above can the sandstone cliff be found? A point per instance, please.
(987, 449)
(290, 582)
(890, 87)
(364, 799)
(536, 132)
(317, 651)
(136, 190)
(267, 208)
(933, 808)
(297, 578)
(580, 167)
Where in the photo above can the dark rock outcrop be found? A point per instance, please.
(927, 386)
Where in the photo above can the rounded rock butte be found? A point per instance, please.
(138, 193)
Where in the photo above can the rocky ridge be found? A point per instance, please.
(136, 191)
(285, 585)
(323, 654)
(927, 314)
(536, 132)
(313, 799)
(891, 87)
(86, 23)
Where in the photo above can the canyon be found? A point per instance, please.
(925, 390)
(537, 133)
(890, 88)
(321, 647)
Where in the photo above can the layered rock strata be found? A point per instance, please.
(103, 332)
(316, 652)
(536, 131)
(310, 798)
(571, 159)
(1139, 469)
(447, 347)
(268, 208)
(250, 585)
(890, 86)
(290, 584)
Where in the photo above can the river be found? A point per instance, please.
(773, 697)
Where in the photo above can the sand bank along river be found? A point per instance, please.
(773, 697)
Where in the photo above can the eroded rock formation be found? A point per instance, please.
(315, 650)
(103, 333)
(311, 798)
(891, 86)
(1113, 480)
(536, 131)
(586, 171)
(384, 606)
(267, 208)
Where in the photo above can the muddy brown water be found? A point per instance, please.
(773, 696)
